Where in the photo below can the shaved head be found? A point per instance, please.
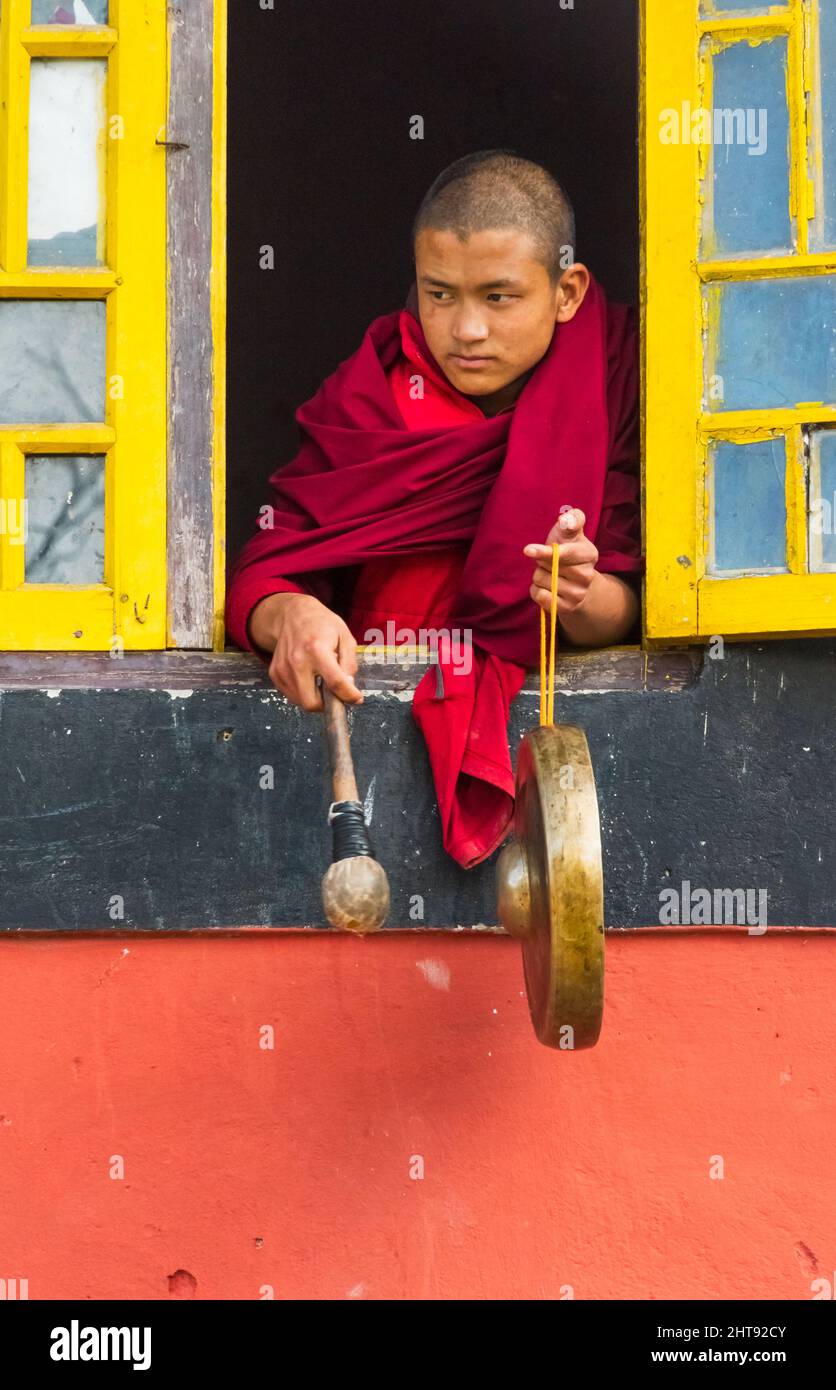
(497, 190)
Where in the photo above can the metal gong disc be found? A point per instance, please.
(550, 886)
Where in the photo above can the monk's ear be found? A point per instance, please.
(571, 292)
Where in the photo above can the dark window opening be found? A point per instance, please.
(322, 168)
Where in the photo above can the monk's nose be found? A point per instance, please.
(470, 328)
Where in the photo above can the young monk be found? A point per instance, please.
(494, 415)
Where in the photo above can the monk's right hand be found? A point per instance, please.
(306, 640)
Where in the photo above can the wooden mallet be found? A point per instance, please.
(355, 890)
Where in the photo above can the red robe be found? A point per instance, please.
(464, 565)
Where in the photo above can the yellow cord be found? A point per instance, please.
(547, 684)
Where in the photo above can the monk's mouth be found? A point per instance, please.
(470, 364)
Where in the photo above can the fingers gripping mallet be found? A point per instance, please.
(355, 890)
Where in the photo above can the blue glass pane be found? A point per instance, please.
(775, 343)
(823, 230)
(750, 508)
(65, 516)
(69, 11)
(52, 361)
(710, 7)
(750, 152)
(823, 500)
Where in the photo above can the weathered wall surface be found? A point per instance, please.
(299, 1167)
(156, 798)
(405, 1136)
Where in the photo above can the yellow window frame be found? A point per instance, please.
(682, 602)
(129, 609)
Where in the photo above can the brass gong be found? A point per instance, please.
(550, 886)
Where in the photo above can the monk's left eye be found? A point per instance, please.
(498, 298)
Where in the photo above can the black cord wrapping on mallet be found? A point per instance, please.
(348, 821)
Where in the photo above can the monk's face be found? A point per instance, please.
(488, 307)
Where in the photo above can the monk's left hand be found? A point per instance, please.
(576, 565)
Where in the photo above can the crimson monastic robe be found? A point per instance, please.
(407, 508)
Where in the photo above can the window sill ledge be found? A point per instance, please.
(602, 671)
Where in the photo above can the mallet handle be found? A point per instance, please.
(343, 779)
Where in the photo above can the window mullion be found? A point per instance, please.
(12, 515)
(796, 494)
(14, 123)
(800, 206)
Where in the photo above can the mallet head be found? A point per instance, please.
(355, 894)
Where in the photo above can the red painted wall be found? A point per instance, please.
(290, 1167)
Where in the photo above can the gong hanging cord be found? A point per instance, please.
(547, 650)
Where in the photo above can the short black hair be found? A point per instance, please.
(495, 189)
